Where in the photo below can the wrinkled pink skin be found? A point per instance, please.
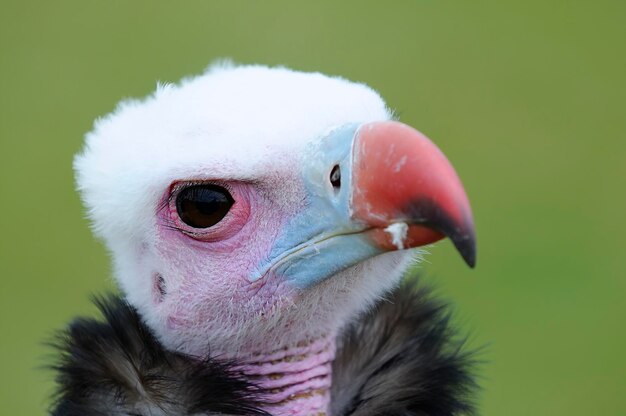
(297, 379)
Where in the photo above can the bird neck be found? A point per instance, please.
(295, 379)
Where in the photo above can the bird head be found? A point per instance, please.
(252, 208)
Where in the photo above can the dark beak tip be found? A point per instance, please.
(471, 261)
(467, 248)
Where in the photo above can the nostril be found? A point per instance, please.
(159, 288)
(335, 177)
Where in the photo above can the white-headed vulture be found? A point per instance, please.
(260, 222)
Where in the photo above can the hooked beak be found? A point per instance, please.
(407, 191)
(371, 188)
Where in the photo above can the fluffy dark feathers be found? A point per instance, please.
(117, 367)
(399, 359)
(402, 358)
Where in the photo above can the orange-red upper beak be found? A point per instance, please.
(400, 177)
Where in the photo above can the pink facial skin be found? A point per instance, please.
(205, 286)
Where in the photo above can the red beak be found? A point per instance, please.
(400, 177)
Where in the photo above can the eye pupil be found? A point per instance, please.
(203, 206)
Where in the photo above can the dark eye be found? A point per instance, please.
(203, 206)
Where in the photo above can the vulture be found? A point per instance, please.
(264, 225)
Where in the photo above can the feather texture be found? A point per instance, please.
(117, 367)
(401, 358)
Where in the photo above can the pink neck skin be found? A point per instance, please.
(295, 380)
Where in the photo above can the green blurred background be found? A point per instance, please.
(526, 98)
